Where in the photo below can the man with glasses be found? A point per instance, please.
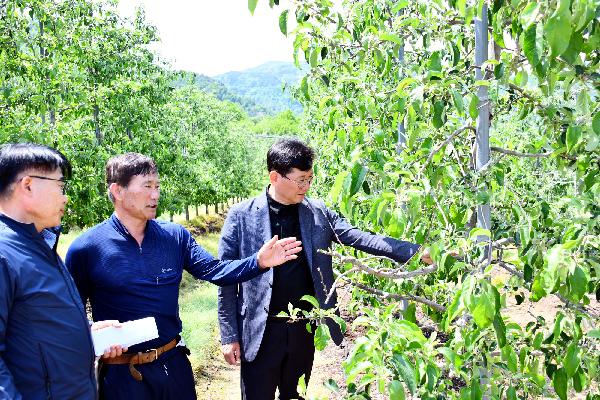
(45, 344)
(273, 351)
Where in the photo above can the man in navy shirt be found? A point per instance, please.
(45, 345)
(130, 267)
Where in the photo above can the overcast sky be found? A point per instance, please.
(214, 36)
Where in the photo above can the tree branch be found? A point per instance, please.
(387, 295)
(518, 154)
(394, 274)
(445, 142)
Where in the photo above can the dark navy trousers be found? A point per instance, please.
(168, 378)
(286, 353)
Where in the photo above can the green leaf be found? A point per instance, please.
(571, 55)
(578, 282)
(455, 55)
(283, 18)
(530, 46)
(511, 393)
(438, 114)
(595, 334)
(431, 373)
(301, 388)
(559, 381)
(358, 176)
(406, 372)
(510, 357)
(332, 385)
(579, 380)
(454, 359)
(304, 87)
(314, 57)
(476, 232)
(321, 337)
(573, 137)
(476, 393)
(558, 33)
(458, 102)
(338, 186)
(391, 38)
(529, 14)
(396, 391)
(252, 6)
(521, 78)
(596, 123)
(572, 360)
(435, 61)
(474, 106)
(500, 329)
(314, 302)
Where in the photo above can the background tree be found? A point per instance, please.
(377, 65)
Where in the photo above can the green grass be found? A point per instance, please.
(65, 241)
(198, 310)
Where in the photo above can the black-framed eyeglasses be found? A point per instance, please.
(301, 183)
(63, 180)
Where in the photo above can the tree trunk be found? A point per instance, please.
(187, 212)
(206, 206)
(197, 210)
(97, 123)
(171, 217)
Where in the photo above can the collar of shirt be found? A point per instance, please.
(282, 210)
(48, 235)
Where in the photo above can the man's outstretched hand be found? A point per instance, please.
(276, 252)
(426, 257)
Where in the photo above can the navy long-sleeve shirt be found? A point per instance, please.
(126, 281)
(45, 344)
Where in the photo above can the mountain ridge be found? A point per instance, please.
(261, 90)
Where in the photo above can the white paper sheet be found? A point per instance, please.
(130, 333)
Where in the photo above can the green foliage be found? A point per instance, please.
(543, 84)
(285, 123)
(76, 76)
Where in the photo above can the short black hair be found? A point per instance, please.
(16, 158)
(121, 169)
(286, 154)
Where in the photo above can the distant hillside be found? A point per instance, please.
(221, 92)
(258, 90)
(264, 85)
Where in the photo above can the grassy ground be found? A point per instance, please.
(198, 310)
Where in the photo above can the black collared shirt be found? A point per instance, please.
(291, 280)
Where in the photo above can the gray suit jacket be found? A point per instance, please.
(243, 308)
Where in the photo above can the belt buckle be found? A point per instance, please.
(155, 353)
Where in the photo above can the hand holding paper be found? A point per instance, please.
(115, 349)
(111, 338)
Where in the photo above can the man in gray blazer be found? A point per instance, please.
(273, 352)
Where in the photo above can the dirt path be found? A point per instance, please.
(217, 380)
(220, 381)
